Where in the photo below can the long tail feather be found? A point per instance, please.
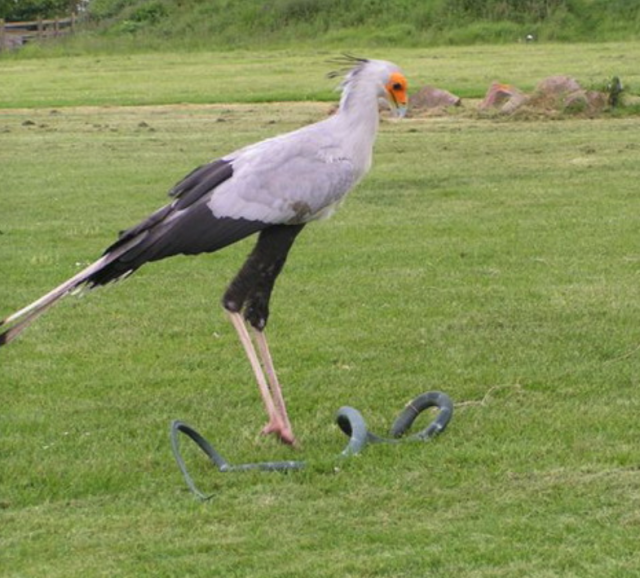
(20, 320)
(11, 333)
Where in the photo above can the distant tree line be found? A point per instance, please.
(19, 10)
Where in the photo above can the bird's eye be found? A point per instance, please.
(396, 86)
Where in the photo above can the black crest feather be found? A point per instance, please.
(347, 62)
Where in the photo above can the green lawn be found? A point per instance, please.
(204, 77)
(496, 261)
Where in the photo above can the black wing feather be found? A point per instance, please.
(199, 182)
(185, 226)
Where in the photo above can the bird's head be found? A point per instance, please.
(392, 85)
(396, 93)
(390, 81)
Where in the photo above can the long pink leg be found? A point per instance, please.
(276, 424)
(274, 385)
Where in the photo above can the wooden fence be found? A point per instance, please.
(16, 34)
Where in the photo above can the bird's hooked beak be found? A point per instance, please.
(397, 94)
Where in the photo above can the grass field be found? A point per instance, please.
(496, 261)
(253, 77)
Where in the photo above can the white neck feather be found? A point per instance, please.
(358, 117)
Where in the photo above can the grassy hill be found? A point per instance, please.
(196, 24)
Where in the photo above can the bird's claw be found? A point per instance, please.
(284, 434)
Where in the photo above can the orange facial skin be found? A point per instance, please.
(397, 89)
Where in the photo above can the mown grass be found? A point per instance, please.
(497, 261)
(271, 76)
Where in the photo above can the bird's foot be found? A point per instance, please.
(284, 433)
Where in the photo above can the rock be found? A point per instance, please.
(503, 97)
(563, 93)
(431, 97)
(584, 101)
(558, 86)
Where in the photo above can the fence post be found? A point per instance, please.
(2, 35)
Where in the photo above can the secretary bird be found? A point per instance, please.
(273, 188)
